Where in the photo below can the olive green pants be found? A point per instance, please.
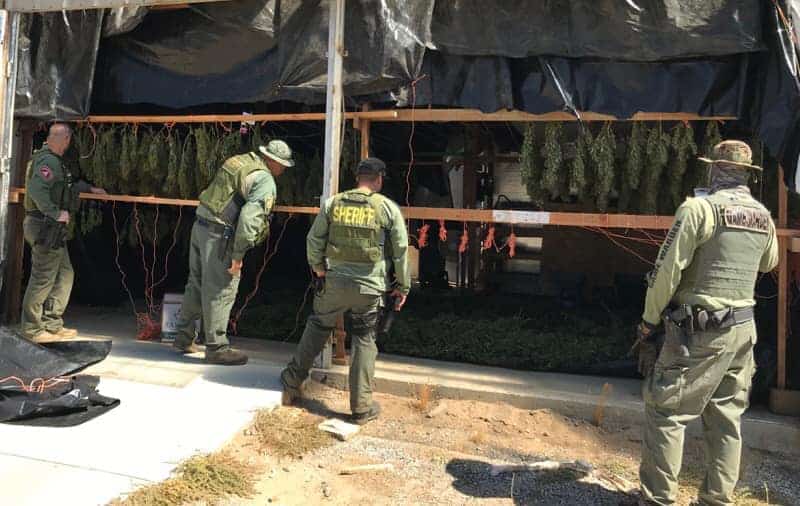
(712, 383)
(210, 291)
(341, 295)
(49, 285)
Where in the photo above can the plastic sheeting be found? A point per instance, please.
(57, 57)
(637, 30)
(61, 402)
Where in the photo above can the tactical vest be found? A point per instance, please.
(61, 193)
(726, 266)
(223, 196)
(357, 228)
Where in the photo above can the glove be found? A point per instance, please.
(647, 348)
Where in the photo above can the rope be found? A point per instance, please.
(123, 276)
(411, 137)
(234, 321)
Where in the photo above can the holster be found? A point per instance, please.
(52, 234)
(388, 314)
(226, 243)
(683, 319)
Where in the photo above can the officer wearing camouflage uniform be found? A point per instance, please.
(50, 194)
(231, 219)
(356, 240)
(703, 289)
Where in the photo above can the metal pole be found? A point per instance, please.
(333, 110)
(9, 36)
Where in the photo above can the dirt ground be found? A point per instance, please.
(446, 458)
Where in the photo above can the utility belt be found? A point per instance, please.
(225, 231)
(689, 320)
(52, 234)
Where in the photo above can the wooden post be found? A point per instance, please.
(334, 115)
(364, 125)
(12, 288)
(783, 281)
(471, 152)
(334, 100)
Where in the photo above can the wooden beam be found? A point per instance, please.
(783, 280)
(233, 118)
(12, 287)
(471, 115)
(563, 219)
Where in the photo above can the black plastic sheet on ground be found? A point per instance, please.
(34, 389)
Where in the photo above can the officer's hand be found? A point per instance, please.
(236, 268)
(320, 274)
(400, 299)
(97, 191)
(648, 355)
(63, 217)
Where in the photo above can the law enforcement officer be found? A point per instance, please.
(356, 240)
(231, 219)
(703, 289)
(50, 195)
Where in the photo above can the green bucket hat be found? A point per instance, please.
(278, 151)
(736, 153)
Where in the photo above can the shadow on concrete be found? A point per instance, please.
(473, 478)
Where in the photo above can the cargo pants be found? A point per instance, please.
(338, 296)
(712, 383)
(49, 285)
(210, 291)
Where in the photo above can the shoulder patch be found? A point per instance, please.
(746, 218)
(46, 173)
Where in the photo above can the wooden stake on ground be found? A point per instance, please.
(370, 468)
(599, 411)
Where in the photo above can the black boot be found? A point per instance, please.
(225, 355)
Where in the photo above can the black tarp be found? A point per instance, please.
(727, 57)
(64, 400)
(632, 30)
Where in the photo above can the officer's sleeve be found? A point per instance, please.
(693, 225)
(253, 216)
(82, 186)
(398, 236)
(769, 260)
(44, 175)
(317, 238)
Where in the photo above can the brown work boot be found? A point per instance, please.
(225, 355)
(65, 332)
(46, 337)
(184, 347)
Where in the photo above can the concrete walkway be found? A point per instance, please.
(173, 407)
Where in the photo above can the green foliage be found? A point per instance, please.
(683, 149)
(552, 176)
(656, 158)
(603, 153)
(530, 167)
(577, 176)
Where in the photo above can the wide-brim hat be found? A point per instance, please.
(278, 151)
(736, 153)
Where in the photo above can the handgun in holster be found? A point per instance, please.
(388, 314)
(225, 244)
(52, 234)
(682, 317)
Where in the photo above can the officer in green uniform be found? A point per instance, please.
(50, 195)
(702, 288)
(355, 241)
(231, 219)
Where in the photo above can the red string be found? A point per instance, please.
(43, 383)
(411, 137)
(488, 242)
(172, 246)
(512, 244)
(462, 246)
(423, 235)
(442, 231)
(123, 276)
(234, 321)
